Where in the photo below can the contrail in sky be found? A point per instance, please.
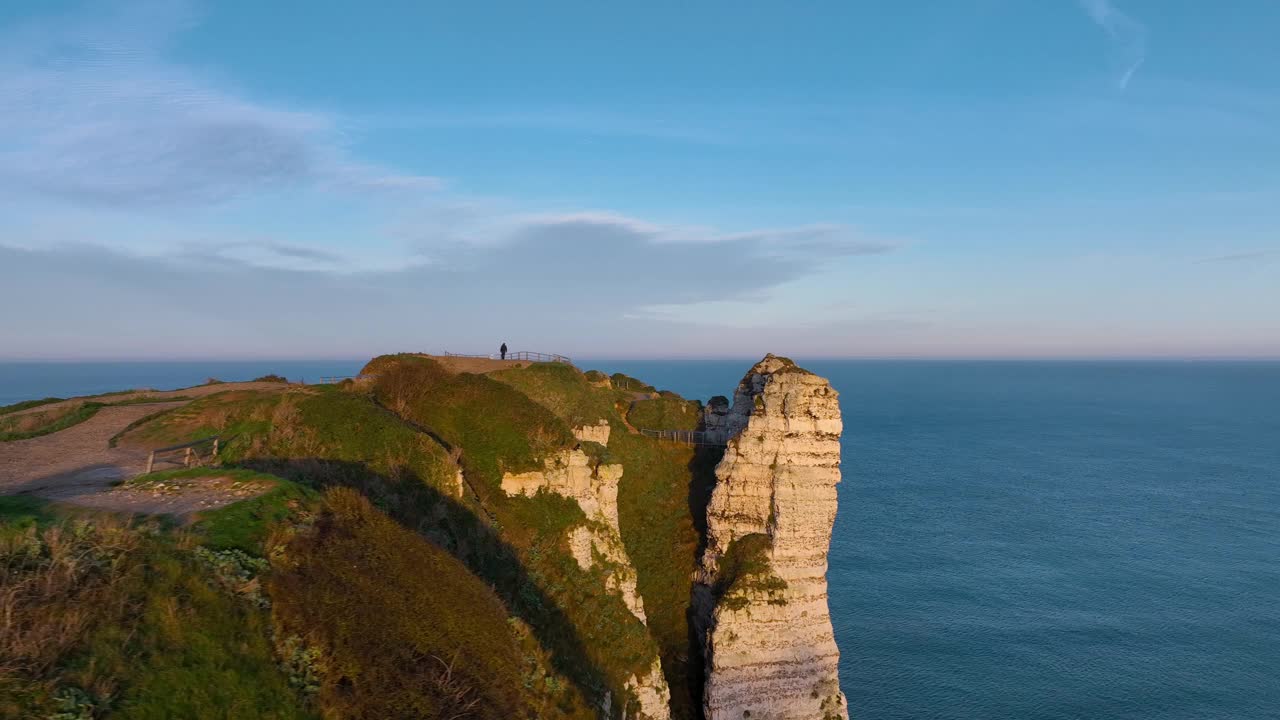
(1128, 36)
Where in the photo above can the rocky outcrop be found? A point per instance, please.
(570, 473)
(651, 692)
(599, 541)
(598, 433)
(761, 598)
(595, 544)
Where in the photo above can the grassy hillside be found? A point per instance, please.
(112, 618)
(390, 624)
(386, 575)
(494, 428)
(658, 484)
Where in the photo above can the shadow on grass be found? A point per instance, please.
(457, 529)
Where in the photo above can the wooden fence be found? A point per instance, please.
(190, 454)
(687, 437)
(335, 379)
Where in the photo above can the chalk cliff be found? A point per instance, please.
(760, 601)
(595, 487)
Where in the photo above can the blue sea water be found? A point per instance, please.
(1016, 540)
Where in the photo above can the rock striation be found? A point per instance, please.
(760, 600)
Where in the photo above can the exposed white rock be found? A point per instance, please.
(652, 693)
(571, 474)
(598, 433)
(769, 648)
(594, 543)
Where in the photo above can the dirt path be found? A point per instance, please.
(76, 465)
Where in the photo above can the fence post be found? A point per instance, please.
(186, 458)
(215, 447)
(151, 461)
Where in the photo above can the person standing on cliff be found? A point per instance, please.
(503, 351)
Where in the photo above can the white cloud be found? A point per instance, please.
(91, 113)
(1128, 37)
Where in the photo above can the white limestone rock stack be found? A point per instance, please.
(761, 607)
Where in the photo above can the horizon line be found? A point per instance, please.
(660, 358)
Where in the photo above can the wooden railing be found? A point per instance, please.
(517, 355)
(688, 437)
(191, 454)
(335, 379)
(538, 357)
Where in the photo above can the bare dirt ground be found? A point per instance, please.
(172, 496)
(76, 465)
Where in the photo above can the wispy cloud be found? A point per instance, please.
(92, 113)
(1128, 37)
(1235, 257)
(563, 281)
(106, 136)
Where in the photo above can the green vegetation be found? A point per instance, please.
(497, 428)
(241, 413)
(665, 413)
(107, 618)
(374, 579)
(745, 571)
(659, 485)
(27, 405)
(115, 439)
(244, 525)
(494, 428)
(272, 378)
(35, 424)
(626, 382)
(399, 627)
(23, 511)
(563, 390)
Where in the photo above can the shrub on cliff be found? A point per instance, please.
(665, 413)
(272, 378)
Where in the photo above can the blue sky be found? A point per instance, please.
(959, 178)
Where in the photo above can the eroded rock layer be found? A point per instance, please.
(761, 597)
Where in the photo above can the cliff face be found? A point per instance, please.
(761, 598)
(595, 488)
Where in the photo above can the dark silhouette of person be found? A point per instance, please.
(503, 351)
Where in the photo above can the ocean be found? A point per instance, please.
(1016, 540)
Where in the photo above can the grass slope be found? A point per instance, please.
(496, 428)
(113, 619)
(401, 628)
